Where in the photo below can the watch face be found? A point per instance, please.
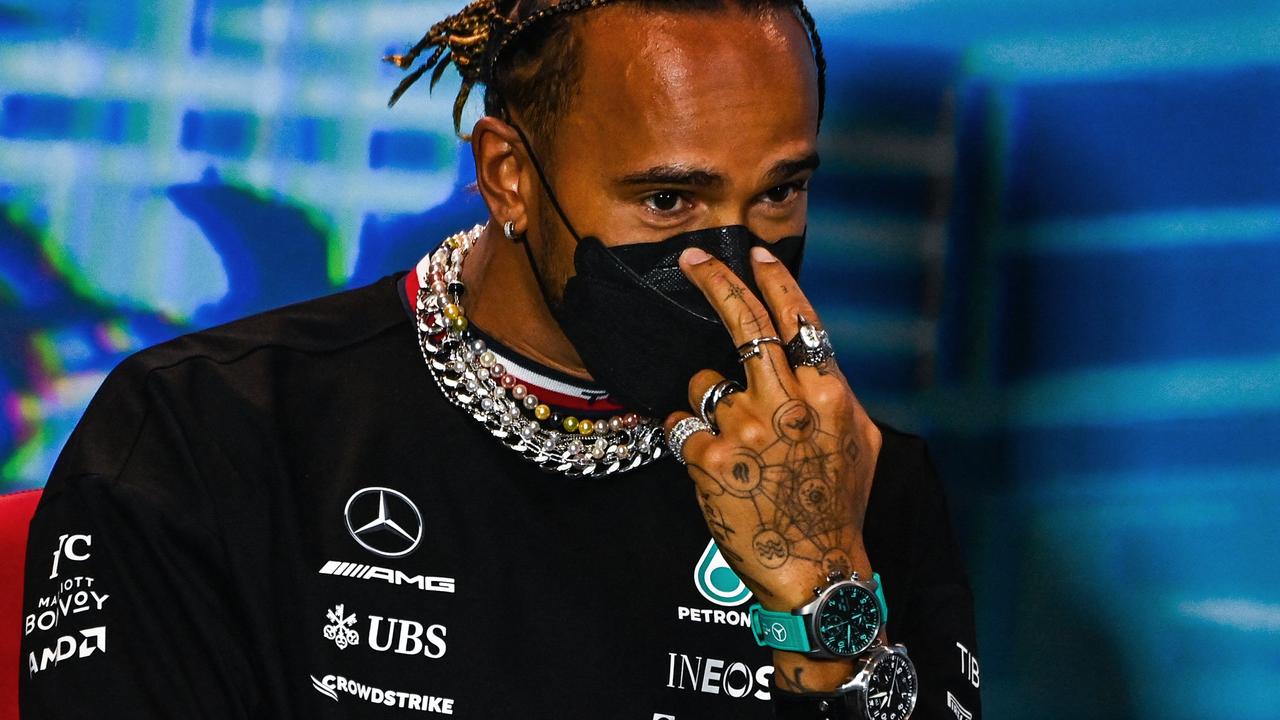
(891, 688)
(848, 621)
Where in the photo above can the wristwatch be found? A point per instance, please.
(883, 687)
(843, 620)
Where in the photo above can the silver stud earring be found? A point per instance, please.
(509, 229)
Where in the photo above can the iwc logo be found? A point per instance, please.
(384, 521)
(716, 581)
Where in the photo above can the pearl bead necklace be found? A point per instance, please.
(470, 376)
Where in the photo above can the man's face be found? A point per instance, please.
(682, 120)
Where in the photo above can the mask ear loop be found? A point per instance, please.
(546, 186)
(524, 240)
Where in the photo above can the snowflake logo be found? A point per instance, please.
(339, 628)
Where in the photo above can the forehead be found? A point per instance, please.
(701, 85)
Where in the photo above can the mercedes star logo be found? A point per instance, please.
(391, 528)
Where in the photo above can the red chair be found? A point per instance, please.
(16, 510)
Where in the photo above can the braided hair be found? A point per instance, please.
(523, 52)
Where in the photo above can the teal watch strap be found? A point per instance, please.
(780, 630)
(787, 631)
(884, 606)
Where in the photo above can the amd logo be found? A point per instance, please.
(69, 647)
(717, 677)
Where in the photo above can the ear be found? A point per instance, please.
(501, 172)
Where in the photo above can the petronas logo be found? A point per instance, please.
(717, 581)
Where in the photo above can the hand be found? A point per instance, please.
(784, 485)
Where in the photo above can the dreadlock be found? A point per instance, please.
(525, 53)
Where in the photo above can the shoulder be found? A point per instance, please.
(908, 525)
(903, 452)
(906, 481)
(229, 371)
(320, 325)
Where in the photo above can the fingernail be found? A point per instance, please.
(762, 255)
(694, 256)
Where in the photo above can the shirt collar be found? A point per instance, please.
(564, 393)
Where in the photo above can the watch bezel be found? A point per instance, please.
(814, 609)
(859, 685)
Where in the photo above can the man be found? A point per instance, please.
(452, 491)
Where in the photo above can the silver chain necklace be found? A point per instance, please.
(469, 375)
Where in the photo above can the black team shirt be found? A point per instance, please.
(283, 517)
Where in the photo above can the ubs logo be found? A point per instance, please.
(384, 521)
(407, 637)
(403, 637)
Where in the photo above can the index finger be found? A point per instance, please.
(742, 313)
(788, 304)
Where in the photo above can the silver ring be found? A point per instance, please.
(751, 348)
(713, 396)
(811, 347)
(682, 431)
(509, 229)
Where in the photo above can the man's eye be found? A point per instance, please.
(783, 193)
(664, 202)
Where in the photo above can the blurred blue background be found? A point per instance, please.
(1046, 235)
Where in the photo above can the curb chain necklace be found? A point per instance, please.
(469, 375)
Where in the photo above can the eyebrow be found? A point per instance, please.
(674, 174)
(680, 174)
(786, 168)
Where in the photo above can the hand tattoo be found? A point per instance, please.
(791, 683)
(794, 486)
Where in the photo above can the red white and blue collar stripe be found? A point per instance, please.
(563, 393)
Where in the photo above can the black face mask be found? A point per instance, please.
(640, 326)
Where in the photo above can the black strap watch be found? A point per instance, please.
(883, 687)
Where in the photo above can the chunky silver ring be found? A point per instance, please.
(713, 396)
(682, 431)
(811, 347)
(751, 348)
